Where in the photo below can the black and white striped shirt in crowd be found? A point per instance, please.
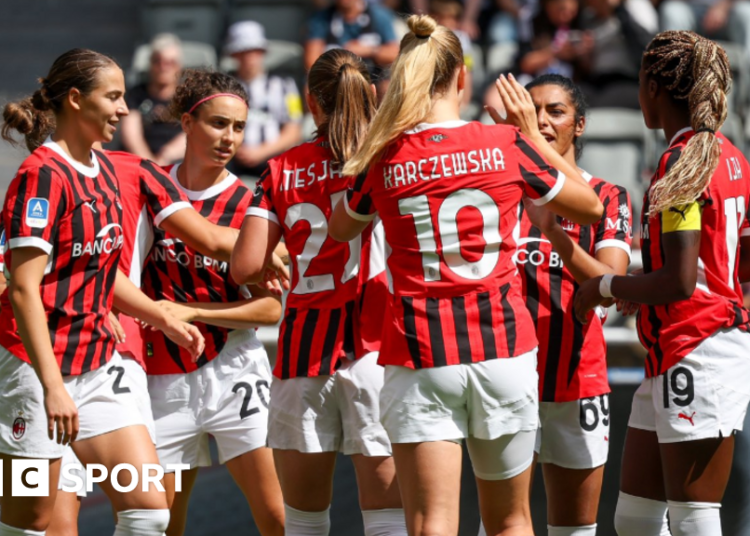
(274, 102)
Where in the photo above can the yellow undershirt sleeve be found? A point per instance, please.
(682, 218)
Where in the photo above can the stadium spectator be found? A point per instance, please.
(714, 18)
(610, 77)
(275, 113)
(364, 28)
(506, 17)
(148, 131)
(448, 13)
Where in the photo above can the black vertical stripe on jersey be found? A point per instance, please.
(461, 323)
(435, 328)
(584, 240)
(103, 159)
(362, 294)
(410, 330)
(151, 273)
(509, 320)
(674, 155)
(653, 319)
(602, 227)
(534, 156)
(164, 180)
(486, 328)
(555, 337)
(230, 209)
(289, 326)
(305, 344)
(622, 201)
(16, 221)
(531, 272)
(349, 348)
(329, 342)
(107, 171)
(539, 186)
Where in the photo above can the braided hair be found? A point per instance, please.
(693, 70)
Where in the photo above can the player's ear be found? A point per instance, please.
(653, 88)
(74, 98)
(580, 126)
(187, 121)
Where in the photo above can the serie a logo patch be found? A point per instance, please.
(37, 212)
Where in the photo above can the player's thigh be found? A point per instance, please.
(33, 513)
(179, 501)
(65, 515)
(377, 482)
(306, 478)
(642, 474)
(697, 471)
(255, 474)
(572, 494)
(130, 445)
(429, 477)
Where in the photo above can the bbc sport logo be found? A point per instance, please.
(30, 478)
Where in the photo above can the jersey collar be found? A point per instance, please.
(679, 134)
(208, 193)
(421, 127)
(86, 171)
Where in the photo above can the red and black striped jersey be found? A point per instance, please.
(448, 197)
(670, 332)
(299, 192)
(572, 356)
(73, 213)
(149, 196)
(178, 273)
(374, 296)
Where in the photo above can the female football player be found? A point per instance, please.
(225, 392)
(448, 194)
(323, 399)
(678, 451)
(61, 374)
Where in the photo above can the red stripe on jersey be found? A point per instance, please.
(298, 193)
(572, 356)
(448, 196)
(148, 194)
(57, 205)
(670, 332)
(176, 272)
(374, 298)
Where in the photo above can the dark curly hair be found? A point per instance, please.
(197, 84)
(574, 94)
(33, 116)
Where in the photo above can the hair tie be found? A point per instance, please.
(421, 36)
(705, 129)
(215, 95)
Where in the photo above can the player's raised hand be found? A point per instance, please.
(518, 104)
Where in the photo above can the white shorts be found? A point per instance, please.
(704, 395)
(484, 400)
(330, 413)
(103, 406)
(226, 398)
(574, 434)
(135, 379)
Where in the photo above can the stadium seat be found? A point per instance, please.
(282, 56)
(500, 58)
(194, 55)
(282, 19)
(191, 20)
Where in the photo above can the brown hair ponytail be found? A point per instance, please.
(340, 84)
(33, 117)
(696, 70)
(425, 67)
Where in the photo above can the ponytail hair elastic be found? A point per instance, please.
(705, 129)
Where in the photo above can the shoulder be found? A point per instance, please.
(42, 161)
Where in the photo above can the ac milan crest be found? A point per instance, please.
(19, 428)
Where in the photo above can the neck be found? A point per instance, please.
(673, 121)
(70, 140)
(198, 175)
(445, 109)
(570, 156)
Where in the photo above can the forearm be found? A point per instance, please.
(33, 328)
(130, 300)
(172, 151)
(242, 314)
(536, 60)
(201, 235)
(582, 265)
(132, 137)
(656, 288)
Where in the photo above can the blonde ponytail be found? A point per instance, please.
(425, 66)
(694, 69)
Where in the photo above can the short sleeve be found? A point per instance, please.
(35, 204)
(682, 218)
(541, 181)
(163, 197)
(358, 203)
(317, 27)
(383, 23)
(262, 204)
(615, 229)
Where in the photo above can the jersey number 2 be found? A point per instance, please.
(246, 410)
(318, 234)
(418, 207)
